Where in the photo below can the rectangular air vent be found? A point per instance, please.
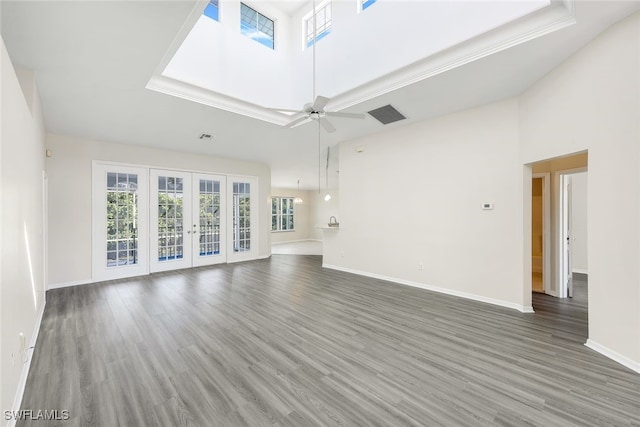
(386, 114)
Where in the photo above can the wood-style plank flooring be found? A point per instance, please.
(284, 342)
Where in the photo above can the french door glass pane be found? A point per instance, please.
(122, 219)
(241, 216)
(209, 212)
(170, 218)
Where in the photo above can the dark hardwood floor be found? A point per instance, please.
(284, 342)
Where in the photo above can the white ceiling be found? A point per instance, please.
(92, 61)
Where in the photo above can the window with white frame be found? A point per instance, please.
(256, 26)
(241, 216)
(282, 214)
(363, 4)
(322, 23)
(212, 10)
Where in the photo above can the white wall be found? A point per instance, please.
(592, 102)
(323, 211)
(396, 28)
(22, 220)
(302, 216)
(69, 172)
(418, 201)
(209, 58)
(579, 262)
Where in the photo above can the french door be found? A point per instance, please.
(119, 221)
(149, 220)
(187, 219)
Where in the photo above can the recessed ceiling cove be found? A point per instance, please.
(218, 62)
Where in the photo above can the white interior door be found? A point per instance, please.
(566, 272)
(209, 219)
(170, 220)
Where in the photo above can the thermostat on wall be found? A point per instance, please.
(487, 206)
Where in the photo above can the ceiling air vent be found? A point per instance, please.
(386, 114)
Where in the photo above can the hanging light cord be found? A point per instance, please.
(319, 175)
(314, 53)
(313, 84)
(326, 174)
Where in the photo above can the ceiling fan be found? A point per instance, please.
(315, 110)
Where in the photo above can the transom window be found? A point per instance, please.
(365, 3)
(282, 214)
(323, 23)
(256, 26)
(212, 10)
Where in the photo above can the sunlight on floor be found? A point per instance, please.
(307, 247)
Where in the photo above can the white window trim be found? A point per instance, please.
(98, 245)
(279, 215)
(252, 253)
(99, 270)
(308, 15)
(259, 10)
(360, 5)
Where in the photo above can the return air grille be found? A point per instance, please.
(386, 114)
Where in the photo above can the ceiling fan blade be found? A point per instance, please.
(326, 124)
(296, 122)
(346, 115)
(319, 103)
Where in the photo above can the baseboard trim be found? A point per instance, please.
(552, 293)
(90, 281)
(474, 297)
(613, 355)
(27, 365)
(295, 241)
(72, 283)
(579, 270)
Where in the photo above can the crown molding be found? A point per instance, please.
(558, 15)
(198, 94)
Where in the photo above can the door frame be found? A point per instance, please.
(99, 270)
(99, 274)
(546, 230)
(564, 210)
(155, 265)
(197, 260)
(254, 251)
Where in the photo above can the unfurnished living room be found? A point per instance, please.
(325, 212)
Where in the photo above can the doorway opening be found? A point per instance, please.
(558, 225)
